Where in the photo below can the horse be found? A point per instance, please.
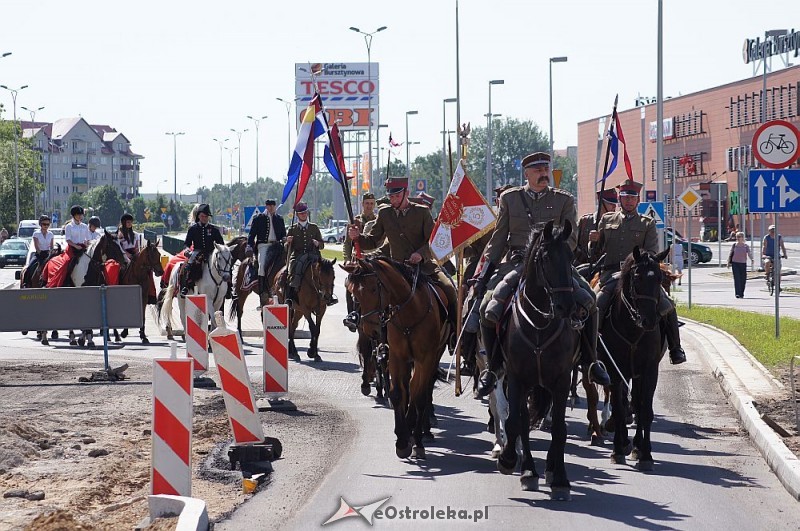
(314, 295)
(540, 348)
(244, 286)
(213, 284)
(633, 343)
(36, 282)
(140, 272)
(392, 294)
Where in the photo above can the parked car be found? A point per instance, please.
(112, 229)
(13, 252)
(700, 253)
(334, 234)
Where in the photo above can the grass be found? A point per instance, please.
(330, 254)
(755, 331)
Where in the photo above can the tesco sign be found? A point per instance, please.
(349, 91)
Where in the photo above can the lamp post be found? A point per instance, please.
(175, 136)
(444, 145)
(221, 163)
(368, 42)
(552, 158)
(230, 191)
(288, 104)
(159, 185)
(257, 121)
(16, 155)
(239, 136)
(33, 122)
(378, 165)
(489, 139)
(408, 151)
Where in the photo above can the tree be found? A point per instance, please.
(105, 203)
(136, 207)
(27, 160)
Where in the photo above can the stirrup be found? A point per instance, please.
(485, 389)
(602, 366)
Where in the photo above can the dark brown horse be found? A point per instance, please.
(245, 284)
(36, 282)
(140, 272)
(417, 333)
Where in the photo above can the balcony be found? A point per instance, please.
(80, 180)
(79, 166)
(129, 167)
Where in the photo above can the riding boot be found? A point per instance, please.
(262, 281)
(488, 379)
(469, 349)
(676, 352)
(597, 371)
(185, 281)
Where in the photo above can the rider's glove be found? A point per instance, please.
(248, 252)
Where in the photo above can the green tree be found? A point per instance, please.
(27, 160)
(105, 204)
(75, 198)
(136, 207)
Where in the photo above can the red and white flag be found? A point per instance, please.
(464, 217)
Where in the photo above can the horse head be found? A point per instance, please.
(326, 279)
(639, 289)
(365, 286)
(153, 258)
(222, 261)
(238, 246)
(108, 248)
(548, 269)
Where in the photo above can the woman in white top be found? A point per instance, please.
(677, 259)
(42, 245)
(128, 239)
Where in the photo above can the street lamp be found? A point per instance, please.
(230, 151)
(16, 155)
(33, 122)
(444, 145)
(368, 42)
(257, 121)
(175, 162)
(552, 160)
(221, 145)
(408, 151)
(239, 136)
(5, 54)
(288, 104)
(489, 139)
(159, 185)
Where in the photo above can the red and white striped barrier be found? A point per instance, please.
(170, 460)
(276, 349)
(196, 327)
(240, 402)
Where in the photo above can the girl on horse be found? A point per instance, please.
(128, 239)
(78, 237)
(42, 244)
(94, 225)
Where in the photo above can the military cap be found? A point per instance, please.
(301, 207)
(608, 196)
(396, 184)
(204, 209)
(629, 187)
(368, 195)
(424, 199)
(536, 159)
(270, 201)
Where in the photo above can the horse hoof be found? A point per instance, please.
(25, 333)
(54, 335)
(365, 389)
(635, 454)
(418, 452)
(496, 451)
(504, 467)
(645, 466)
(81, 341)
(628, 448)
(548, 478)
(596, 440)
(170, 337)
(528, 481)
(73, 342)
(294, 357)
(403, 453)
(560, 494)
(145, 341)
(124, 333)
(45, 341)
(617, 459)
(90, 344)
(316, 359)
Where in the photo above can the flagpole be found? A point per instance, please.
(459, 259)
(458, 87)
(605, 164)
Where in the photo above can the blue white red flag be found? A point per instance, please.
(621, 137)
(613, 148)
(312, 126)
(334, 156)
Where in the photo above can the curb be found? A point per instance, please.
(191, 512)
(780, 459)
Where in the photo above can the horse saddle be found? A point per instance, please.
(250, 276)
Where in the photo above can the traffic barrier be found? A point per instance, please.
(171, 462)
(196, 327)
(276, 349)
(236, 389)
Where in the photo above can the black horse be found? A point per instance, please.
(540, 349)
(632, 344)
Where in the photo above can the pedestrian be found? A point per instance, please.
(3, 235)
(737, 260)
(677, 260)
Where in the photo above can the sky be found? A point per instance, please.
(151, 67)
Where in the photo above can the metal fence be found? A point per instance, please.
(153, 235)
(171, 244)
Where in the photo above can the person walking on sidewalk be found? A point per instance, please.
(677, 260)
(737, 260)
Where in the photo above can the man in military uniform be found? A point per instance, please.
(407, 228)
(304, 241)
(618, 233)
(367, 215)
(585, 252)
(522, 209)
(266, 236)
(201, 238)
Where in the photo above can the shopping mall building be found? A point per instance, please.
(707, 140)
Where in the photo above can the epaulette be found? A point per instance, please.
(562, 192)
(511, 190)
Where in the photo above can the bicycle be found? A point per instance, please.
(782, 145)
(770, 277)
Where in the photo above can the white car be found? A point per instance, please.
(333, 235)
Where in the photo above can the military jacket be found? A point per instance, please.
(302, 239)
(585, 252)
(203, 237)
(259, 231)
(513, 226)
(406, 233)
(619, 234)
(361, 220)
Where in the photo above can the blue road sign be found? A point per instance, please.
(250, 212)
(55, 218)
(421, 185)
(163, 216)
(774, 191)
(655, 210)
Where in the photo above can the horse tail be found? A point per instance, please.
(165, 317)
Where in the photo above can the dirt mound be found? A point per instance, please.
(57, 521)
(18, 443)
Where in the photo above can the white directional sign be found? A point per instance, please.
(775, 144)
(655, 210)
(689, 198)
(774, 191)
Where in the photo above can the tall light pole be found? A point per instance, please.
(408, 151)
(230, 191)
(16, 155)
(368, 41)
(159, 185)
(33, 121)
(288, 104)
(552, 158)
(175, 136)
(257, 121)
(221, 163)
(660, 128)
(444, 146)
(239, 136)
(489, 140)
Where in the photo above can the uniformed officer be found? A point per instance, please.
(522, 209)
(367, 215)
(585, 253)
(407, 228)
(304, 241)
(201, 238)
(266, 236)
(618, 233)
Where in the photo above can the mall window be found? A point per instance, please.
(781, 103)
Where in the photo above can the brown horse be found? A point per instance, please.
(313, 298)
(417, 334)
(36, 282)
(244, 285)
(140, 272)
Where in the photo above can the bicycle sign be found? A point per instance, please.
(775, 144)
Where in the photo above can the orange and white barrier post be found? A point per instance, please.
(170, 460)
(240, 401)
(276, 349)
(196, 327)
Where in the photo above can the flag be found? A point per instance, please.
(392, 143)
(464, 217)
(613, 147)
(312, 127)
(334, 146)
(621, 138)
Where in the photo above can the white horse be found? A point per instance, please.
(213, 284)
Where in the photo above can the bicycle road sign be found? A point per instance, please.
(775, 144)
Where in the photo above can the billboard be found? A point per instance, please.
(345, 89)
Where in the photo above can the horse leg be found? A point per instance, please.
(559, 486)
(124, 333)
(143, 336)
(89, 335)
(398, 393)
(54, 334)
(498, 409)
(43, 337)
(592, 398)
(507, 461)
(117, 338)
(622, 444)
(529, 478)
(294, 319)
(364, 347)
(72, 340)
(420, 403)
(312, 352)
(644, 417)
(573, 387)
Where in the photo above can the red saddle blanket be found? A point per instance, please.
(55, 271)
(174, 261)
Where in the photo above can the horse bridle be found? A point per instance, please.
(549, 315)
(385, 311)
(630, 305)
(226, 268)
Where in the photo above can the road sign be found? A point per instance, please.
(163, 209)
(650, 196)
(655, 210)
(774, 191)
(163, 217)
(55, 218)
(775, 144)
(421, 185)
(689, 198)
(250, 213)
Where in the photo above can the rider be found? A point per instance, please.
(128, 239)
(77, 235)
(616, 236)
(768, 249)
(367, 214)
(522, 209)
(42, 244)
(200, 237)
(304, 241)
(94, 224)
(407, 228)
(266, 235)
(585, 253)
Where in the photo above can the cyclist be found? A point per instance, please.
(768, 249)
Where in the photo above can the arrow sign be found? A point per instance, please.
(786, 193)
(774, 191)
(760, 184)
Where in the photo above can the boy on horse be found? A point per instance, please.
(616, 236)
(78, 237)
(201, 238)
(304, 240)
(266, 236)
(522, 210)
